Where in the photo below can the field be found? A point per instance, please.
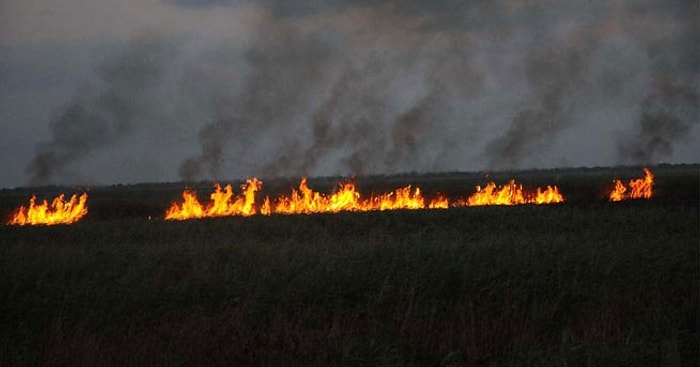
(582, 283)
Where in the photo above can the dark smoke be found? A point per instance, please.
(103, 114)
(331, 101)
(554, 76)
(285, 66)
(346, 87)
(666, 119)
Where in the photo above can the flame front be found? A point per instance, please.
(511, 194)
(58, 212)
(223, 203)
(549, 196)
(640, 188)
(346, 197)
(303, 200)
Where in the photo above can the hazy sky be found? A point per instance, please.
(104, 92)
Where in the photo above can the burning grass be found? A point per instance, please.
(511, 194)
(566, 285)
(346, 198)
(640, 188)
(584, 283)
(59, 211)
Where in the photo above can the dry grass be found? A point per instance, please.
(578, 284)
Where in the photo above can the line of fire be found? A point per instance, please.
(223, 202)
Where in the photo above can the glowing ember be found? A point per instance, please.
(640, 188)
(511, 194)
(223, 203)
(58, 212)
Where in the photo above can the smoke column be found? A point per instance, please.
(554, 76)
(381, 87)
(667, 117)
(103, 114)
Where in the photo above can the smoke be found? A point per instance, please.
(554, 76)
(379, 87)
(367, 93)
(668, 113)
(286, 65)
(101, 115)
(666, 119)
(383, 87)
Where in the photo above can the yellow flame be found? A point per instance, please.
(640, 188)
(58, 212)
(511, 194)
(346, 197)
(223, 203)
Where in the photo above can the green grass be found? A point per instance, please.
(578, 284)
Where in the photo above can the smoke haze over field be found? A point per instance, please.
(163, 90)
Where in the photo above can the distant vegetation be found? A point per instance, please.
(582, 283)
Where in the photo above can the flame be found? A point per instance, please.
(223, 203)
(549, 196)
(303, 200)
(511, 194)
(640, 188)
(346, 197)
(59, 212)
(439, 202)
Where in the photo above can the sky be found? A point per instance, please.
(105, 92)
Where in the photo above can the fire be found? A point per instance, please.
(511, 194)
(303, 200)
(549, 196)
(346, 197)
(223, 203)
(439, 202)
(58, 212)
(640, 188)
(306, 201)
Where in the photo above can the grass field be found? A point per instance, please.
(583, 283)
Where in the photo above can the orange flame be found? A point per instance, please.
(549, 196)
(511, 194)
(304, 200)
(223, 203)
(640, 188)
(59, 212)
(301, 201)
(439, 202)
(347, 198)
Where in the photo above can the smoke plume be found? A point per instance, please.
(101, 115)
(379, 87)
(554, 76)
(667, 118)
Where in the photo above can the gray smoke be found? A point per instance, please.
(668, 114)
(369, 87)
(103, 114)
(286, 65)
(667, 117)
(363, 98)
(554, 76)
(353, 116)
